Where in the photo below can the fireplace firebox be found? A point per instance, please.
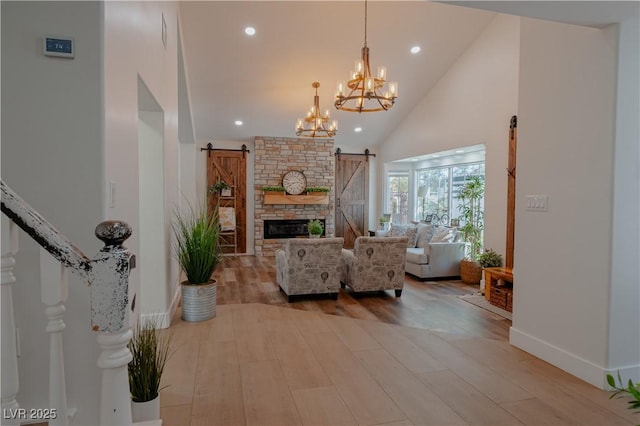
(291, 228)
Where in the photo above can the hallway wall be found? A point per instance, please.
(52, 145)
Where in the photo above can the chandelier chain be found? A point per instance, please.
(365, 23)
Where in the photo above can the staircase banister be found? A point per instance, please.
(45, 234)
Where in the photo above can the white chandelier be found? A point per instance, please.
(315, 124)
(364, 92)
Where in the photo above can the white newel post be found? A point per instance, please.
(110, 318)
(55, 290)
(9, 365)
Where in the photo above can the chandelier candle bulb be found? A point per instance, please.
(369, 85)
(382, 73)
(393, 89)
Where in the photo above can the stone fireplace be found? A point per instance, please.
(273, 158)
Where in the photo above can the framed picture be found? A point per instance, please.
(455, 222)
(226, 192)
(428, 218)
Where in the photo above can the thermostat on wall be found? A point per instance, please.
(59, 46)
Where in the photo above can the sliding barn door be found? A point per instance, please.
(352, 197)
(511, 192)
(230, 167)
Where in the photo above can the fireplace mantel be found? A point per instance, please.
(282, 198)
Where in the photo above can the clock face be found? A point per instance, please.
(294, 182)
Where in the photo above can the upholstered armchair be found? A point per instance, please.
(309, 266)
(376, 263)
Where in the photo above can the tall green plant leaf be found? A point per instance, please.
(471, 215)
(197, 245)
(150, 350)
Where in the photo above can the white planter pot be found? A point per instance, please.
(144, 411)
(198, 301)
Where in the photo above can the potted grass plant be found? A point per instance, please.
(150, 351)
(472, 220)
(197, 248)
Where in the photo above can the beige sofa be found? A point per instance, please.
(432, 251)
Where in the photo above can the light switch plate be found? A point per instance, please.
(537, 203)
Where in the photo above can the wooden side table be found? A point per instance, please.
(492, 275)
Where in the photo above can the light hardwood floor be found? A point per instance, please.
(427, 358)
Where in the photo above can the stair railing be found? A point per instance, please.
(108, 276)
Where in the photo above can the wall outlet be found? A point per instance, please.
(537, 203)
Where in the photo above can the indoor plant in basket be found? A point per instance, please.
(315, 228)
(472, 220)
(197, 249)
(150, 350)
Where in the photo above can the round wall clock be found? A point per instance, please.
(294, 182)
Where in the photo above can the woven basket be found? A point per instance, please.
(470, 271)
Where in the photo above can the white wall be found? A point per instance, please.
(70, 126)
(562, 258)
(154, 297)
(471, 104)
(52, 156)
(134, 49)
(624, 315)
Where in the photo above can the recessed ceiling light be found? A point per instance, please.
(238, 122)
(415, 49)
(357, 129)
(250, 31)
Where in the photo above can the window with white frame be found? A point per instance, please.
(397, 203)
(437, 191)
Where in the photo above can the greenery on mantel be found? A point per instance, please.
(309, 189)
(273, 189)
(317, 189)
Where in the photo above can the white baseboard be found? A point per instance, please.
(163, 319)
(579, 367)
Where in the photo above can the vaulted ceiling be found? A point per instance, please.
(265, 80)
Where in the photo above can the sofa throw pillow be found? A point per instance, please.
(444, 235)
(425, 233)
(411, 232)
